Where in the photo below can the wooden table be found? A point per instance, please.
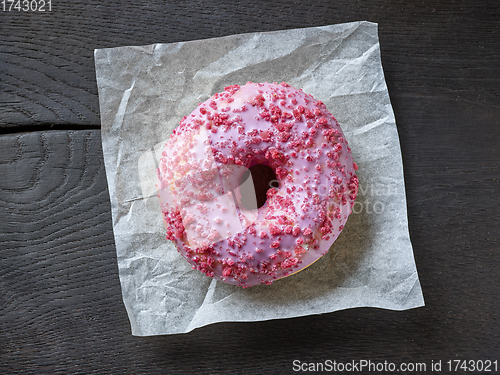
(61, 307)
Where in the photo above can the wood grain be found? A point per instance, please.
(48, 77)
(61, 306)
(61, 310)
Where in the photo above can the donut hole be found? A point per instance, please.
(263, 179)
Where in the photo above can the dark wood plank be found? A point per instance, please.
(47, 76)
(61, 310)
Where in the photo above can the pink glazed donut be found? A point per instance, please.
(200, 183)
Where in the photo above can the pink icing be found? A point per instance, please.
(205, 158)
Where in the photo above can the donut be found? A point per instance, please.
(208, 156)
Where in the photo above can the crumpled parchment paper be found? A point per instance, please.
(145, 91)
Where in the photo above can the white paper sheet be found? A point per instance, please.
(145, 91)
